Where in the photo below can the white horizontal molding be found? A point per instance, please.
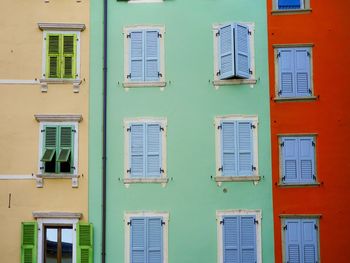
(228, 82)
(17, 177)
(145, 180)
(293, 45)
(62, 26)
(237, 178)
(59, 117)
(57, 176)
(19, 81)
(57, 215)
(144, 84)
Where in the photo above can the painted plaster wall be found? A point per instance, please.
(190, 103)
(21, 59)
(327, 28)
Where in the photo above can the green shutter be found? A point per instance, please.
(53, 61)
(50, 143)
(69, 55)
(29, 242)
(65, 150)
(84, 243)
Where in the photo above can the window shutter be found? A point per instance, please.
(228, 148)
(154, 240)
(290, 159)
(136, 56)
(293, 240)
(53, 56)
(66, 142)
(247, 239)
(245, 148)
(289, 4)
(138, 240)
(302, 71)
(153, 162)
(29, 242)
(226, 52)
(286, 72)
(231, 239)
(242, 54)
(84, 243)
(69, 55)
(309, 241)
(306, 158)
(50, 143)
(152, 70)
(137, 146)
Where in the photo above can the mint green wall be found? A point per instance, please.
(190, 104)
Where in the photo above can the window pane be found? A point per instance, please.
(51, 243)
(67, 245)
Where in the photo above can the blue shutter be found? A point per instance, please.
(136, 56)
(228, 148)
(154, 240)
(306, 159)
(247, 239)
(286, 72)
(290, 159)
(302, 71)
(226, 52)
(242, 54)
(137, 141)
(230, 235)
(138, 240)
(245, 147)
(293, 241)
(309, 240)
(289, 4)
(151, 55)
(153, 142)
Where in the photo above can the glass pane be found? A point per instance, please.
(67, 245)
(51, 245)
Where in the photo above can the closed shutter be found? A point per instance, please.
(138, 240)
(289, 4)
(290, 160)
(245, 148)
(153, 138)
(309, 240)
(154, 240)
(286, 72)
(293, 241)
(53, 61)
(306, 159)
(69, 55)
(137, 148)
(247, 239)
(231, 239)
(136, 56)
(66, 141)
(228, 149)
(84, 243)
(302, 72)
(152, 55)
(226, 52)
(242, 54)
(29, 242)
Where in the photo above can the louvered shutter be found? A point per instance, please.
(309, 240)
(154, 240)
(84, 243)
(152, 70)
(29, 242)
(247, 239)
(53, 61)
(286, 72)
(289, 4)
(306, 159)
(293, 241)
(66, 143)
(137, 149)
(153, 143)
(242, 52)
(245, 148)
(138, 240)
(290, 160)
(228, 149)
(231, 239)
(69, 55)
(50, 143)
(136, 56)
(302, 72)
(226, 52)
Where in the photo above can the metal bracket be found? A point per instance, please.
(316, 227)
(313, 143)
(217, 33)
(285, 227)
(159, 35)
(249, 32)
(250, 72)
(161, 128)
(128, 129)
(72, 167)
(278, 54)
(220, 168)
(219, 127)
(42, 130)
(129, 223)
(283, 178)
(308, 54)
(128, 76)
(314, 177)
(128, 35)
(128, 171)
(160, 74)
(74, 130)
(253, 168)
(252, 126)
(162, 223)
(310, 91)
(279, 92)
(218, 73)
(282, 144)
(222, 222)
(161, 170)
(256, 221)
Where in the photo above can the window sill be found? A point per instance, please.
(40, 178)
(281, 99)
(291, 11)
(237, 178)
(315, 184)
(128, 181)
(76, 83)
(228, 82)
(144, 84)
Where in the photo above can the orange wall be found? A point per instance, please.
(328, 28)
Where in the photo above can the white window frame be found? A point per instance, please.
(163, 123)
(127, 218)
(134, 84)
(252, 79)
(240, 212)
(304, 5)
(218, 146)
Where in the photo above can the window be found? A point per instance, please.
(239, 236)
(146, 238)
(294, 72)
(236, 140)
(144, 56)
(298, 159)
(300, 239)
(145, 150)
(290, 5)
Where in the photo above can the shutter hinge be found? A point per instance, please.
(308, 54)
(219, 127)
(314, 177)
(220, 168)
(249, 32)
(218, 73)
(72, 167)
(217, 33)
(43, 130)
(222, 222)
(128, 35)
(279, 92)
(252, 126)
(160, 74)
(253, 168)
(42, 167)
(74, 130)
(278, 54)
(285, 227)
(162, 223)
(161, 128)
(128, 171)
(282, 144)
(77, 39)
(44, 38)
(256, 222)
(283, 178)
(310, 91)
(159, 35)
(128, 76)
(250, 72)
(129, 223)
(128, 129)
(313, 143)
(161, 170)
(316, 227)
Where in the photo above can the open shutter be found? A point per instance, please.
(302, 71)
(289, 4)
(138, 240)
(306, 159)
(153, 143)
(65, 153)
(290, 160)
(152, 71)
(226, 52)
(29, 242)
(293, 241)
(154, 240)
(136, 56)
(247, 239)
(84, 243)
(53, 62)
(50, 143)
(230, 233)
(69, 56)
(286, 72)
(245, 148)
(242, 52)
(137, 149)
(309, 240)
(228, 148)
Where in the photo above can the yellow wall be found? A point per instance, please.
(21, 59)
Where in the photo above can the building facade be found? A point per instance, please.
(44, 76)
(309, 129)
